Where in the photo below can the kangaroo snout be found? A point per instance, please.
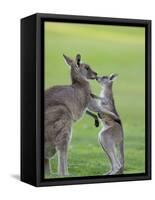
(95, 75)
(98, 78)
(92, 75)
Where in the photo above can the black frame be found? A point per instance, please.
(32, 99)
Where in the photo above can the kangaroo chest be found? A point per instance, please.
(79, 103)
(105, 102)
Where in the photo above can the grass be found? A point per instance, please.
(107, 49)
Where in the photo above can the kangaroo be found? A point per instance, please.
(111, 135)
(63, 106)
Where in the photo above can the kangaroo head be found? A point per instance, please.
(81, 70)
(106, 80)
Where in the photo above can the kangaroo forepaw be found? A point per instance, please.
(97, 123)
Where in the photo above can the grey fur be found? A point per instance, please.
(63, 106)
(111, 135)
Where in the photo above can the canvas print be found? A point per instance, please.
(94, 100)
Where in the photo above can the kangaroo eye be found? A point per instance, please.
(87, 68)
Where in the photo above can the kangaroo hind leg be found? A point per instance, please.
(120, 149)
(63, 140)
(62, 161)
(108, 145)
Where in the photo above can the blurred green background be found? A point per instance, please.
(106, 49)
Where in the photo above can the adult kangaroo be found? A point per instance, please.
(63, 106)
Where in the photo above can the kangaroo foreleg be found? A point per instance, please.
(95, 107)
(104, 101)
(94, 117)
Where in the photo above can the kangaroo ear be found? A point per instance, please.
(113, 77)
(68, 60)
(78, 59)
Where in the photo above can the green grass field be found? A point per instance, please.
(106, 49)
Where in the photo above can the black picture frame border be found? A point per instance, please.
(38, 165)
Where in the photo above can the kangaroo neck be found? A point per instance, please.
(107, 92)
(82, 85)
(81, 98)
